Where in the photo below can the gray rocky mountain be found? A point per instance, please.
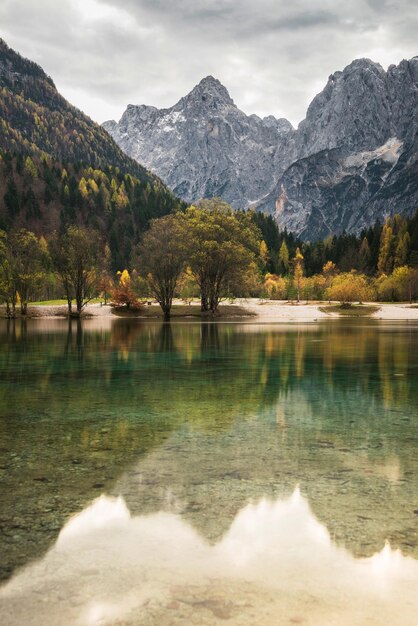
(204, 146)
(352, 160)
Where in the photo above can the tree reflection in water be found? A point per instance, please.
(198, 419)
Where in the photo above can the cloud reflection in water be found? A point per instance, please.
(276, 560)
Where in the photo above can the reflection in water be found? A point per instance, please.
(197, 420)
(275, 561)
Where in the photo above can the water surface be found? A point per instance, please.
(196, 473)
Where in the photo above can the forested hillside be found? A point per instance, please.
(43, 195)
(59, 167)
(36, 119)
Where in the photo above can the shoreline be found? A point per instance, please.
(251, 310)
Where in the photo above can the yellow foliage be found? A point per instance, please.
(82, 186)
(350, 287)
(275, 286)
(124, 278)
(263, 252)
(93, 185)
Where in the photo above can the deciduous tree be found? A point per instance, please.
(298, 272)
(350, 287)
(77, 257)
(8, 289)
(123, 294)
(222, 245)
(29, 264)
(162, 257)
(284, 258)
(385, 262)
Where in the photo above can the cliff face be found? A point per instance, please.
(357, 153)
(352, 160)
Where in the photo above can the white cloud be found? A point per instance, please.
(272, 55)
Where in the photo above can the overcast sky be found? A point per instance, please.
(273, 56)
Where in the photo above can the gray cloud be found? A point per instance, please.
(272, 55)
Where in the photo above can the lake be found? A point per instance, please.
(204, 473)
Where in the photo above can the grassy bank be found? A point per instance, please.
(350, 310)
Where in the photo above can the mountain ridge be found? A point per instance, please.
(28, 94)
(205, 146)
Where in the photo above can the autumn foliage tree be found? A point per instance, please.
(123, 294)
(275, 286)
(264, 256)
(350, 287)
(284, 258)
(298, 272)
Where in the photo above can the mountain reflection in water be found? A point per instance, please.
(275, 562)
(189, 423)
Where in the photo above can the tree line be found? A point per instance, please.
(361, 252)
(207, 251)
(211, 247)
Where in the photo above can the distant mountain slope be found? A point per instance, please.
(338, 170)
(334, 190)
(36, 120)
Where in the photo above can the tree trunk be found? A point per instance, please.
(167, 313)
(214, 303)
(23, 307)
(79, 302)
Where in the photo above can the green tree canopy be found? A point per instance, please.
(162, 256)
(222, 244)
(77, 257)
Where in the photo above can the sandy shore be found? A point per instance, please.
(259, 310)
(271, 311)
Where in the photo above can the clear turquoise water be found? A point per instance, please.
(198, 422)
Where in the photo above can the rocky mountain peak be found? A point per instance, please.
(351, 110)
(363, 64)
(208, 93)
(322, 175)
(281, 124)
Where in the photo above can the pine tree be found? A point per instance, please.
(298, 271)
(284, 258)
(402, 250)
(11, 197)
(385, 262)
(364, 256)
